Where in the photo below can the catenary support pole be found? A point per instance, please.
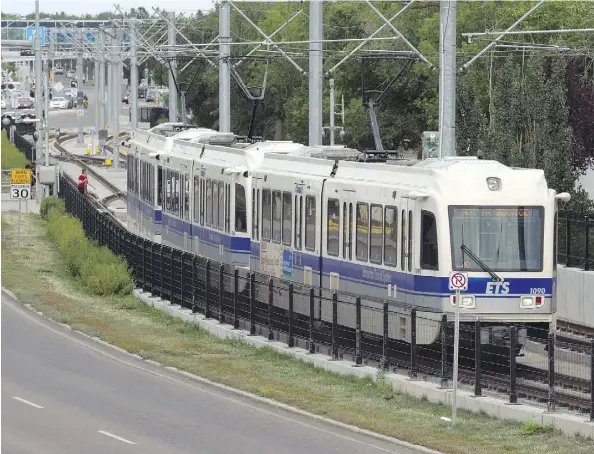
(224, 70)
(316, 26)
(117, 97)
(133, 78)
(332, 111)
(38, 86)
(173, 68)
(447, 80)
(79, 74)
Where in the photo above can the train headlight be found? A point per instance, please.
(493, 183)
(467, 302)
(527, 302)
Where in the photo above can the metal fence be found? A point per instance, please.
(576, 240)
(557, 371)
(319, 321)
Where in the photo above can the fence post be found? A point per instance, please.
(385, 325)
(444, 351)
(291, 341)
(207, 295)
(312, 346)
(358, 356)
(334, 325)
(413, 343)
(478, 390)
(160, 271)
(181, 279)
(270, 305)
(587, 243)
(513, 395)
(592, 380)
(551, 352)
(194, 279)
(252, 303)
(221, 317)
(235, 292)
(567, 241)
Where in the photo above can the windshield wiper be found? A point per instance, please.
(480, 263)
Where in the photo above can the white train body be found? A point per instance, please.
(383, 232)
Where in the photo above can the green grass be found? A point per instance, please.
(38, 275)
(12, 158)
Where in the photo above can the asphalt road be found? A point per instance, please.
(62, 393)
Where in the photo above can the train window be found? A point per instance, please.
(310, 223)
(254, 211)
(177, 195)
(403, 240)
(257, 222)
(376, 234)
(345, 231)
(287, 220)
(215, 204)
(202, 200)
(298, 207)
(390, 236)
(276, 216)
(266, 214)
(333, 234)
(429, 241)
(186, 197)
(240, 209)
(196, 199)
(167, 190)
(362, 244)
(228, 205)
(208, 207)
(410, 232)
(160, 186)
(222, 205)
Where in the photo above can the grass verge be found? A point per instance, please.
(38, 275)
(12, 158)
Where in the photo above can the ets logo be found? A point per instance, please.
(497, 288)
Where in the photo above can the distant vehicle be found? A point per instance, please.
(125, 99)
(70, 101)
(24, 103)
(59, 103)
(151, 95)
(58, 71)
(71, 73)
(2, 104)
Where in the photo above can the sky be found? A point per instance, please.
(78, 7)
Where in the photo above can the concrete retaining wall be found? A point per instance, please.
(575, 295)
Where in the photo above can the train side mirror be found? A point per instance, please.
(563, 197)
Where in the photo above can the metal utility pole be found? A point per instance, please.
(101, 101)
(109, 82)
(133, 78)
(38, 86)
(46, 83)
(52, 50)
(96, 80)
(316, 68)
(332, 107)
(79, 89)
(224, 69)
(447, 79)
(116, 91)
(172, 68)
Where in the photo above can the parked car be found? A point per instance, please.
(59, 102)
(71, 102)
(24, 103)
(71, 74)
(59, 71)
(125, 99)
(151, 95)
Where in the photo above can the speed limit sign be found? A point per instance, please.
(20, 191)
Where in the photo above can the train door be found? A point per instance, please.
(407, 248)
(256, 225)
(348, 235)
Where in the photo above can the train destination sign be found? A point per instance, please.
(497, 212)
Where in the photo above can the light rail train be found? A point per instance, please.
(383, 232)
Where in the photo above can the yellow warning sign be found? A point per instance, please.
(20, 176)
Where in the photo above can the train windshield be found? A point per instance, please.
(506, 239)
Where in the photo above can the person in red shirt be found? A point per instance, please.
(83, 180)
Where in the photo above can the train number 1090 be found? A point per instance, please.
(538, 291)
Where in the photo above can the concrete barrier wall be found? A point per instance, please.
(575, 295)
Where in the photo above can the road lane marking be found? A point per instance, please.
(27, 402)
(116, 437)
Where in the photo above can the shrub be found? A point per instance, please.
(101, 272)
(50, 205)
